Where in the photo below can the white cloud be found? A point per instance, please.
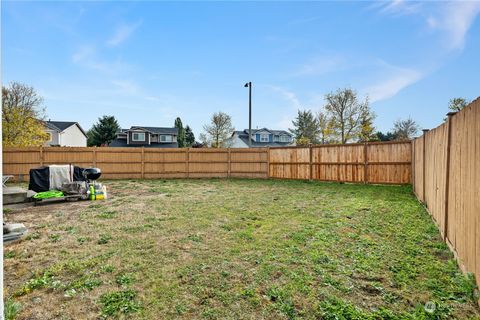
(398, 7)
(452, 19)
(122, 33)
(455, 20)
(396, 79)
(320, 65)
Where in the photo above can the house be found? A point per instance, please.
(65, 134)
(261, 138)
(148, 137)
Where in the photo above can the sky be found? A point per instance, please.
(148, 62)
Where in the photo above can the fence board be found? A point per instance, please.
(456, 208)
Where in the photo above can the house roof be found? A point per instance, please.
(274, 132)
(243, 135)
(62, 125)
(155, 130)
(123, 143)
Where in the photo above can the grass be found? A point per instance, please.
(237, 249)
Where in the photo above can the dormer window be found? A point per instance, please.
(138, 136)
(264, 137)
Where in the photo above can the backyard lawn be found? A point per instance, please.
(235, 249)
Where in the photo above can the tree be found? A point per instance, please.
(366, 127)
(189, 137)
(22, 116)
(385, 137)
(305, 127)
(103, 132)
(181, 132)
(405, 129)
(457, 104)
(218, 131)
(325, 127)
(346, 113)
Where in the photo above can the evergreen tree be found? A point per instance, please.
(367, 129)
(103, 132)
(306, 128)
(189, 137)
(181, 132)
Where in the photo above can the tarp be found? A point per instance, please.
(40, 178)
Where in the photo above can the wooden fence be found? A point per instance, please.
(138, 163)
(368, 163)
(446, 162)
(373, 162)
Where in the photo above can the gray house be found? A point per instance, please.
(148, 137)
(261, 138)
(65, 134)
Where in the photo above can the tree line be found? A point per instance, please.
(344, 118)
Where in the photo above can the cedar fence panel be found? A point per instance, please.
(447, 181)
(382, 162)
(138, 163)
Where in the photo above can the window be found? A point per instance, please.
(164, 138)
(264, 137)
(138, 136)
(49, 136)
(284, 139)
(276, 138)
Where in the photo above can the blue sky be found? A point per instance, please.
(149, 62)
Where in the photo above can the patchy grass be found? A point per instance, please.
(236, 249)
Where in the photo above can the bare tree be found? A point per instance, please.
(218, 131)
(346, 112)
(405, 129)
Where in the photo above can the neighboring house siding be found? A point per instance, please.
(236, 142)
(72, 137)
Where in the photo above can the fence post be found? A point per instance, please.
(268, 162)
(187, 159)
(95, 156)
(143, 163)
(311, 164)
(229, 163)
(447, 172)
(365, 167)
(41, 156)
(424, 165)
(412, 159)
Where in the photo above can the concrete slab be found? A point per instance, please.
(14, 195)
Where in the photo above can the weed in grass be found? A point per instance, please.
(124, 279)
(109, 214)
(54, 237)
(180, 309)
(120, 302)
(71, 229)
(82, 240)
(11, 309)
(9, 254)
(107, 268)
(195, 238)
(7, 210)
(33, 236)
(104, 239)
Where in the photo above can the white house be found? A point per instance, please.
(261, 138)
(65, 134)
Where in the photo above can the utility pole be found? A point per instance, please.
(249, 85)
